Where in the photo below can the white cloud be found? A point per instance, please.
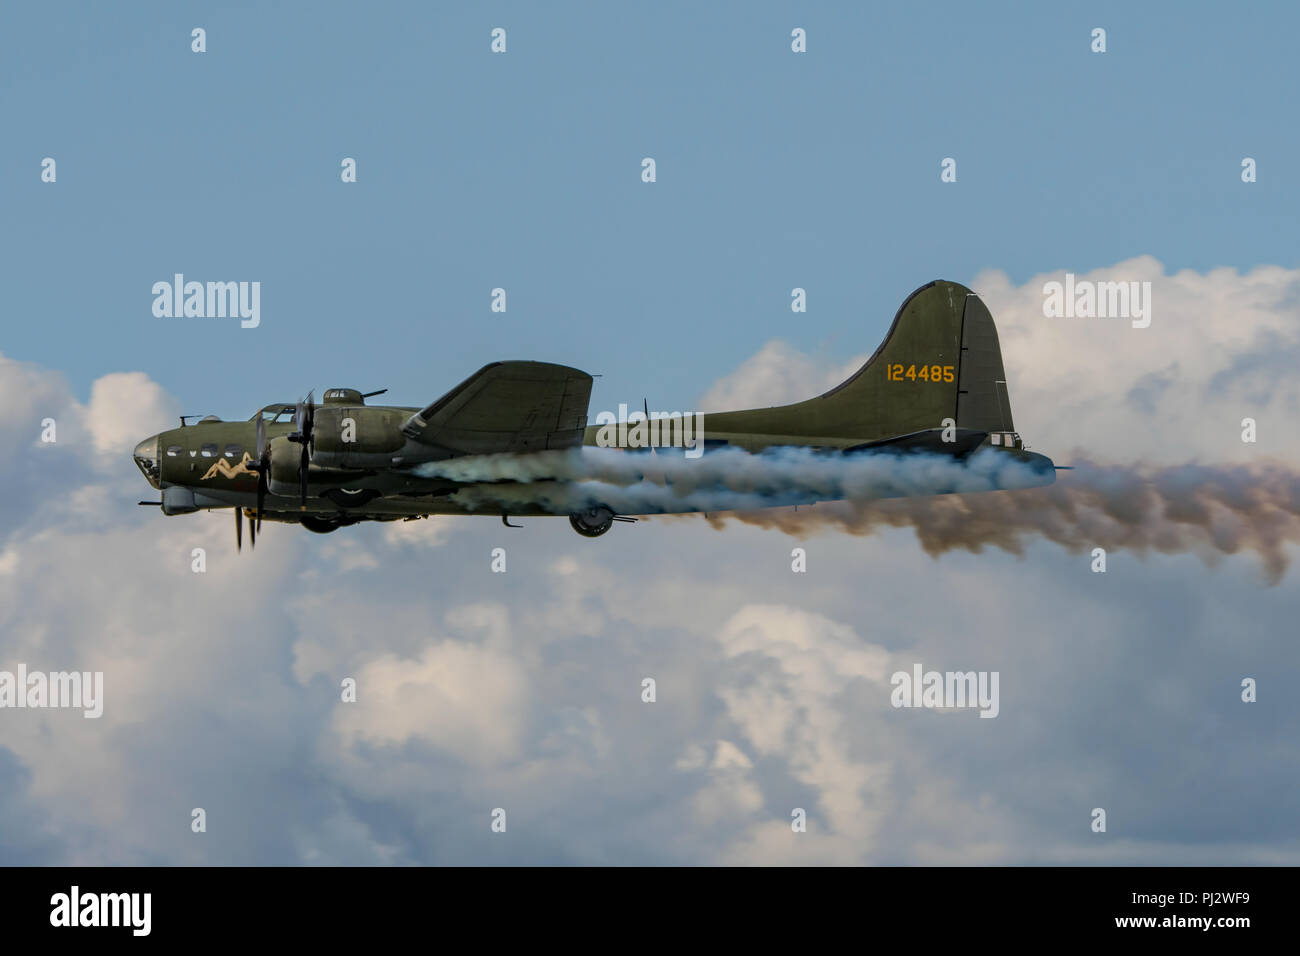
(523, 689)
(777, 375)
(1222, 346)
(431, 532)
(467, 700)
(787, 668)
(124, 408)
(29, 394)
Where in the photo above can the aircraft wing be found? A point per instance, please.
(507, 407)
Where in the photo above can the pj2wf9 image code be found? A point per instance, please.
(926, 373)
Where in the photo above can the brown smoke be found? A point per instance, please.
(1207, 510)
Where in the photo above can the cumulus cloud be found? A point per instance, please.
(777, 375)
(124, 408)
(523, 691)
(1222, 346)
(463, 699)
(91, 441)
(788, 668)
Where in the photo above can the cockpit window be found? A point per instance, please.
(279, 413)
(234, 451)
(173, 451)
(208, 450)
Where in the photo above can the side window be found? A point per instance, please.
(208, 450)
(173, 451)
(234, 451)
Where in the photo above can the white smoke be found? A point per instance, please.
(1208, 510)
(726, 479)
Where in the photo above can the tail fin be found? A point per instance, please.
(939, 360)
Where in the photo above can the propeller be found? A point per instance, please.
(239, 528)
(304, 417)
(263, 469)
(262, 466)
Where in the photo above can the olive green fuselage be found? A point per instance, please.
(936, 384)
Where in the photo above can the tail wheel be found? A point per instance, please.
(593, 522)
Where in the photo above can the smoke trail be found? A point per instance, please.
(1206, 510)
(727, 479)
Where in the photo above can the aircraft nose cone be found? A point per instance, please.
(147, 459)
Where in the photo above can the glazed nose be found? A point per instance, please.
(146, 459)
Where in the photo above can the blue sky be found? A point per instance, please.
(521, 170)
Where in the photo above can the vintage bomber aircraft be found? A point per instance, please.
(341, 462)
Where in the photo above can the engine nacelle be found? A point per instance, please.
(354, 436)
(286, 458)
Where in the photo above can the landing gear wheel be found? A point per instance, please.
(593, 522)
